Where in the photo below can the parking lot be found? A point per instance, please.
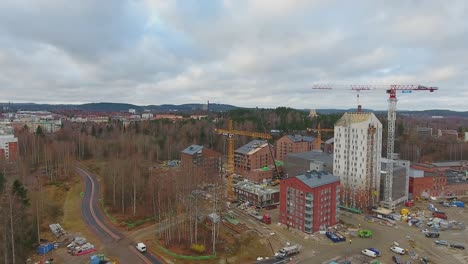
(319, 249)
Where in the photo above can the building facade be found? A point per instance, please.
(8, 147)
(400, 183)
(255, 194)
(203, 163)
(357, 158)
(425, 184)
(293, 144)
(309, 202)
(254, 161)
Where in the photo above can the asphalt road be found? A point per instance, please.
(114, 241)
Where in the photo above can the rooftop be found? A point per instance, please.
(330, 141)
(300, 138)
(313, 156)
(450, 163)
(252, 146)
(251, 187)
(193, 149)
(351, 118)
(317, 178)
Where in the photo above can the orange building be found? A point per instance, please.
(293, 144)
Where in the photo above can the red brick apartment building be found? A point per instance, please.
(204, 163)
(254, 161)
(429, 184)
(309, 202)
(293, 144)
(8, 147)
(438, 179)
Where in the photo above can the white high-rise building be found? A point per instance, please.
(357, 158)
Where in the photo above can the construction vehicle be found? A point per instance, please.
(288, 251)
(392, 103)
(275, 182)
(230, 132)
(266, 218)
(365, 233)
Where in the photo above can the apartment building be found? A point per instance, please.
(357, 158)
(204, 163)
(293, 144)
(8, 147)
(309, 202)
(254, 161)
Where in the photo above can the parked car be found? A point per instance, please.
(369, 253)
(459, 246)
(441, 242)
(375, 250)
(432, 234)
(398, 250)
(141, 247)
(397, 260)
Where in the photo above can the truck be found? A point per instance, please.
(266, 218)
(335, 237)
(288, 251)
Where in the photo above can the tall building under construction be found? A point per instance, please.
(357, 159)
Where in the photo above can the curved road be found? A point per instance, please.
(118, 245)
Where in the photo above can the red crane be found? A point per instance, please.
(392, 102)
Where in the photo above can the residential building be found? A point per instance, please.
(328, 147)
(8, 147)
(309, 202)
(132, 111)
(293, 144)
(300, 163)
(147, 115)
(400, 183)
(357, 158)
(256, 194)
(203, 163)
(254, 161)
(424, 131)
(449, 134)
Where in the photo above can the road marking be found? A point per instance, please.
(91, 208)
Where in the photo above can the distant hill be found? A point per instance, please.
(117, 107)
(122, 107)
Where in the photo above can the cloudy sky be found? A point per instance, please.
(264, 53)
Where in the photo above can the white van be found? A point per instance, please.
(141, 247)
(398, 250)
(369, 253)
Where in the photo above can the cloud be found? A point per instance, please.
(243, 52)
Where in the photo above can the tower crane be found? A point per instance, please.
(230, 132)
(318, 141)
(392, 103)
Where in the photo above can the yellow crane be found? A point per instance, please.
(230, 132)
(318, 141)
